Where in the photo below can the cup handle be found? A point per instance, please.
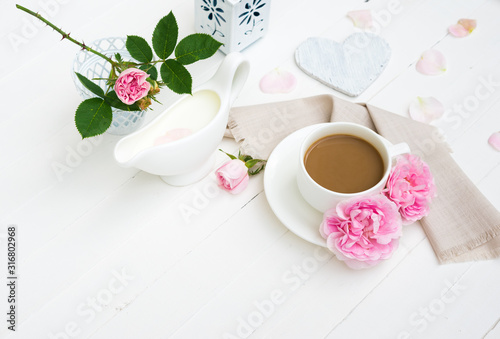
(399, 149)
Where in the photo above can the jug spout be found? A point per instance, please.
(179, 145)
(230, 77)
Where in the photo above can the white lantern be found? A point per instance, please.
(235, 23)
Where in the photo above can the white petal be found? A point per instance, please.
(462, 28)
(432, 62)
(426, 109)
(278, 81)
(362, 18)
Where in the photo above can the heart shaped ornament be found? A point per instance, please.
(349, 67)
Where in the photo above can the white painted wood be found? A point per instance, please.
(197, 262)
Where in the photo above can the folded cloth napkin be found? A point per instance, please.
(462, 224)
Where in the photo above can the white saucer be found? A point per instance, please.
(283, 194)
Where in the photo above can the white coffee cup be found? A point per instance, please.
(322, 198)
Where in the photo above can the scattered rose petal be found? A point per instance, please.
(426, 109)
(462, 28)
(172, 135)
(361, 18)
(494, 141)
(432, 62)
(278, 81)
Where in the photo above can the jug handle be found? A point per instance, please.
(233, 73)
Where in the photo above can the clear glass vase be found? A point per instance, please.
(93, 67)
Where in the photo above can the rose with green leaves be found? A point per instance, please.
(133, 84)
(234, 174)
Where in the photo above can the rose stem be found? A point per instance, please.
(66, 35)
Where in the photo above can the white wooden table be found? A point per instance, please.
(106, 252)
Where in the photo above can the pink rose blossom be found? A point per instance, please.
(411, 187)
(232, 176)
(132, 85)
(362, 231)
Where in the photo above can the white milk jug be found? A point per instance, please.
(180, 144)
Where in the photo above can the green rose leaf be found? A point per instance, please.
(93, 117)
(228, 154)
(165, 36)
(118, 57)
(112, 99)
(260, 167)
(139, 48)
(176, 77)
(196, 47)
(91, 86)
(151, 70)
(252, 163)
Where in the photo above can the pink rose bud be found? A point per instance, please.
(144, 103)
(232, 176)
(132, 85)
(155, 89)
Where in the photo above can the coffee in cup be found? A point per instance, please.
(344, 163)
(343, 160)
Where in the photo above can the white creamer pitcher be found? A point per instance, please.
(180, 144)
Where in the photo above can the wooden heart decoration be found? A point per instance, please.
(349, 67)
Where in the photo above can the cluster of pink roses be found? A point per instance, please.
(365, 230)
(133, 86)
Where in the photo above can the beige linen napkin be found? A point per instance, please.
(462, 224)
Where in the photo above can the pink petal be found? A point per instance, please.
(494, 141)
(469, 24)
(426, 109)
(173, 135)
(458, 31)
(432, 62)
(361, 18)
(462, 28)
(278, 81)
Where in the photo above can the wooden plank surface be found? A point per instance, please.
(110, 252)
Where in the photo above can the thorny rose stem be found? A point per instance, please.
(66, 35)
